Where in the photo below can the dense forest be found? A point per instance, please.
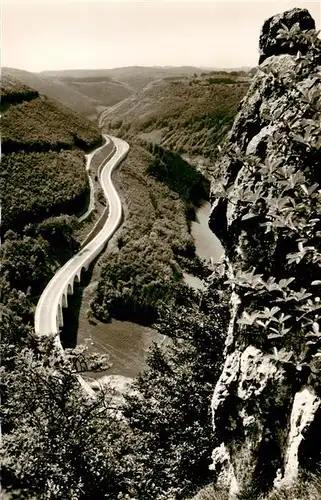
(59, 444)
(14, 92)
(171, 169)
(49, 127)
(38, 184)
(57, 462)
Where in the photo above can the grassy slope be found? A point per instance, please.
(104, 91)
(189, 115)
(39, 177)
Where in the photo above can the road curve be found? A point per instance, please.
(48, 316)
(89, 157)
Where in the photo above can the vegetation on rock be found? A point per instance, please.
(304, 489)
(266, 210)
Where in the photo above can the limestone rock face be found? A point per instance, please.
(266, 201)
(251, 401)
(304, 409)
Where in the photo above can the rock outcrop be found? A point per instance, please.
(266, 202)
(271, 45)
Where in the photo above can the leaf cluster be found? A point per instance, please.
(58, 443)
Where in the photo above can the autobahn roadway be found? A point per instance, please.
(48, 315)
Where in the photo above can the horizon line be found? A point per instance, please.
(231, 68)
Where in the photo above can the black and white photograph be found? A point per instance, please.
(160, 250)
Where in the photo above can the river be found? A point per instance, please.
(127, 343)
(207, 245)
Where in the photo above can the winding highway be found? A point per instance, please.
(48, 316)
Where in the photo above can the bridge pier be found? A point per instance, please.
(60, 318)
(64, 300)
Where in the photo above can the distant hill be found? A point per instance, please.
(135, 77)
(55, 89)
(190, 115)
(43, 164)
(102, 91)
(85, 95)
(89, 92)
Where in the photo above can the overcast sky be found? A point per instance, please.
(67, 34)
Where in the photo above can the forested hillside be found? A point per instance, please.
(36, 185)
(13, 91)
(43, 163)
(65, 431)
(57, 90)
(89, 92)
(155, 249)
(43, 178)
(189, 115)
(43, 184)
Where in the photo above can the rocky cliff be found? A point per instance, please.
(266, 202)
